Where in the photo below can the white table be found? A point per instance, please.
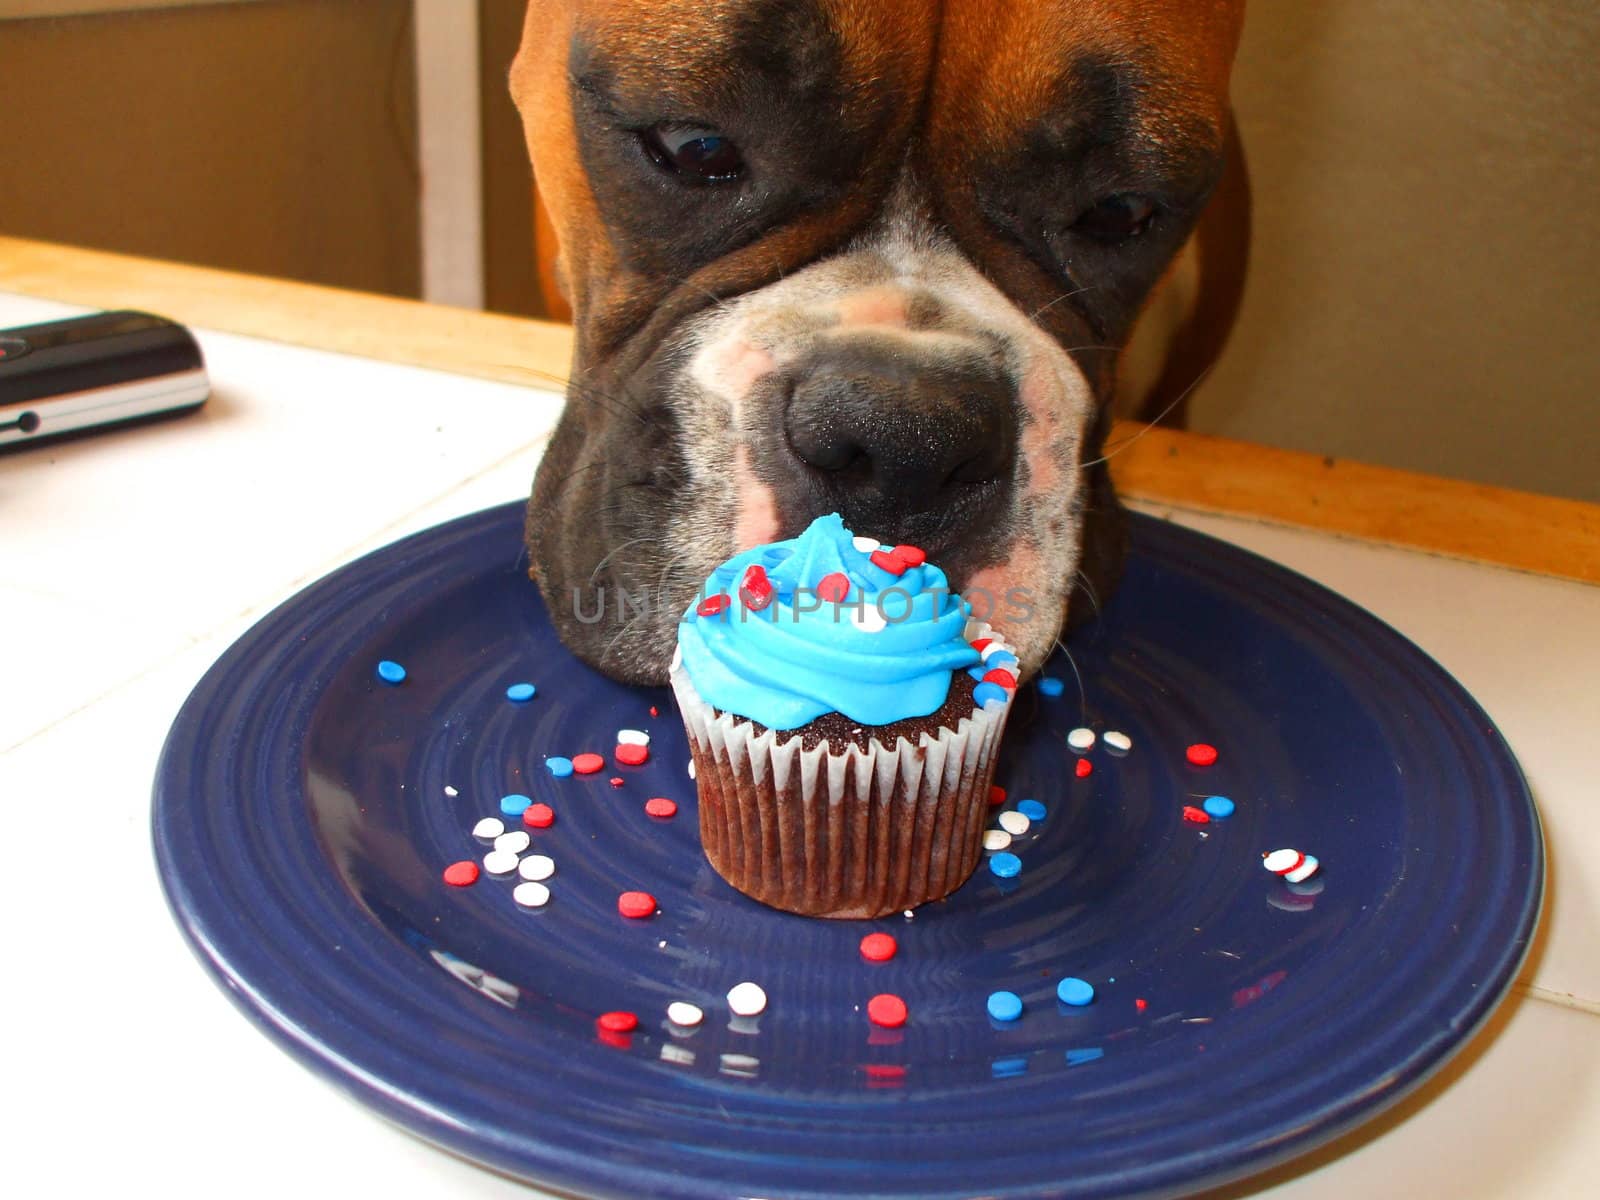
(129, 561)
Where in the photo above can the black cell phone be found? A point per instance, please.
(84, 374)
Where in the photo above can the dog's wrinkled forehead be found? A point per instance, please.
(829, 98)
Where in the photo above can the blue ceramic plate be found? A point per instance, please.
(304, 812)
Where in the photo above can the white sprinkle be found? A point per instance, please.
(1118, 741)
(450, 791)
(993, 648)
(1304, 871)
(514, 842)
(536, 867)
(632, 737)
(1014, 823)
(908, 914)
(500, 862)
(996, 839)
(865, 544)
(868, 619)
(1280, 861)
(681, 1012)
(489, 828)
(691, 768)
(746, 999)
(531, 894)
(1291, 864)
(1082, 739)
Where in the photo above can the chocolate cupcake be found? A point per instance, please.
(842, 727)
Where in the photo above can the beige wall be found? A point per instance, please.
(1424, 287)
(277, 137)
(1423, 280)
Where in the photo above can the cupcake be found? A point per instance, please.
(843, 710)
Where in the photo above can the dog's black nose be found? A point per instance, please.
(888, 439)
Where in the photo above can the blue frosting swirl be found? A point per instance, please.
(801, 656)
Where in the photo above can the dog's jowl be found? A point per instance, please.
(839, 255)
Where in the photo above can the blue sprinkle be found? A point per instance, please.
(978, 672)
(1049, 685)
(391, 672)
(1001, 659)
(1031, 809)
(986, 692)
(520, 693)
(1008, 1068)
(1076, 1058)
(1005, 1006)
(1219, 807)
(558, 766)
(1005, 864)
(1075, 992)
(515, 804)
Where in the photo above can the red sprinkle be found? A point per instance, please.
(1001, 676)
(1141, 1004)
(889, 562)
(617, 1022)
(997, 796)
(617, 781)
(660, 806)
(878, 947)
(636, 905)
(979, 643)
(712, 605)
(1198, 815)
(887, 1009)
(461, 874)
(832, 589)
(654, 711)
(628, 754)
(912, 556)
(1201, 755)
(587, 764)
(540, 816)
(756, 591)
(1084, 769)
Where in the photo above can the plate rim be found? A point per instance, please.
(550, 1165)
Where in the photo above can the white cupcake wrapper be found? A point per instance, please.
(849, 833)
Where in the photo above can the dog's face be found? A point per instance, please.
(839, 255)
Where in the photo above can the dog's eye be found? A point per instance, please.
(693, 152)
(1116, 218)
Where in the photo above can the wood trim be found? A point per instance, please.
(461, 340)
(1521, 530)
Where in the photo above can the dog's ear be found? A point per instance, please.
(1191, 312)
(547, 250)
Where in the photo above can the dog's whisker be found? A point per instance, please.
(574, 473)
(1083, 694)
(616, 550)
(1088, 590)
(1042, 309)
(715, 299)
(1112, 451)
(572, 386)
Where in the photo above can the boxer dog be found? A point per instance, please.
(859, 257)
